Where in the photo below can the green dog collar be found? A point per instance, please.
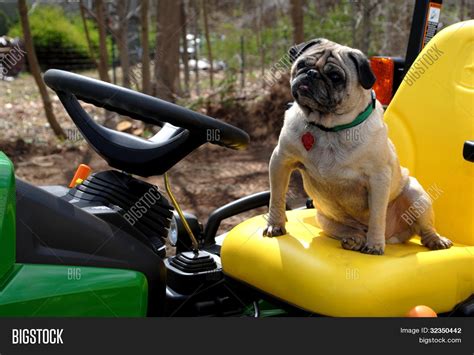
(357, 121)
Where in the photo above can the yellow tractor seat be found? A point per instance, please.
(308, 269)
(429, 119)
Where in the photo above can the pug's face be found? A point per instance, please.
(329, 78)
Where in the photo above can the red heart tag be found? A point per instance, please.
(308, 140)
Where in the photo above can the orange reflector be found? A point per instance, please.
(81, 174)
(421, 312)
(383, 69)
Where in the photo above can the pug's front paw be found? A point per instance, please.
(355, 243)
(374, 249)
(274, 231)
(437, 242)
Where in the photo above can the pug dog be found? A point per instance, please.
(334, 134)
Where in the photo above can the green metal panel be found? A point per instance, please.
(31, 290)
(58, 290)
(266, 309)
(7, 215)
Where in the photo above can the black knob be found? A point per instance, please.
(468, 151)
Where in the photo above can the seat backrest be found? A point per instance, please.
(430, 118)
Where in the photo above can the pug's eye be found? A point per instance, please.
(301, 64)
(335, 77)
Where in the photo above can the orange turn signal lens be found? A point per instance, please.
(421, 312)
(81, 174)
(383, 68)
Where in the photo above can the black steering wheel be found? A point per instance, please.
(184, 130)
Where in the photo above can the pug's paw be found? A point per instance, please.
(274, 231)
(375, 249)
(438, 243)
(355, 243)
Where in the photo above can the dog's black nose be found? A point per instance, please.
(313, 74)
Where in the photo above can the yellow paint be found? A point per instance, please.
(430, 120)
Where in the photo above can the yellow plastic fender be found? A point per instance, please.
(429, 119)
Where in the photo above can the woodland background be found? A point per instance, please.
(213, 56)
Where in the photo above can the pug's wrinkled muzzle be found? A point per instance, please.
(309, 90)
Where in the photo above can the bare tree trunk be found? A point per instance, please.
(242, 63)
(366, 25)
(184, 43)
(208, 43)
(146, 82)
(122, 42)
(354, 13)
(103, 56)
(167, 50)
(297, 19)
(36, 71)
(274, 42)
(88, 38)
(196, 47)
(396, 22)
(324, 6)
(260, 46)
(362, 27)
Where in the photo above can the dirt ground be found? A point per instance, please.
(206, 179)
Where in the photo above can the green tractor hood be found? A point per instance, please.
(59, 290)
(7, 215)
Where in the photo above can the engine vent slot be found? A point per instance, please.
(142, 205)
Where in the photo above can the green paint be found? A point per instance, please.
(7, 215)
(266, 309)
(58, 290)
(31, 290)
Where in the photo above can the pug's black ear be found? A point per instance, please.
(366, 75)
(295, 51)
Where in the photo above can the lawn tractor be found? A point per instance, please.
(97, 248)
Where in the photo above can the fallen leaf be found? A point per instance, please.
(124, 126)
(138, 131)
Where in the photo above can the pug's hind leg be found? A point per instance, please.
(423, 224)
(429, 237)
(351, 238)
